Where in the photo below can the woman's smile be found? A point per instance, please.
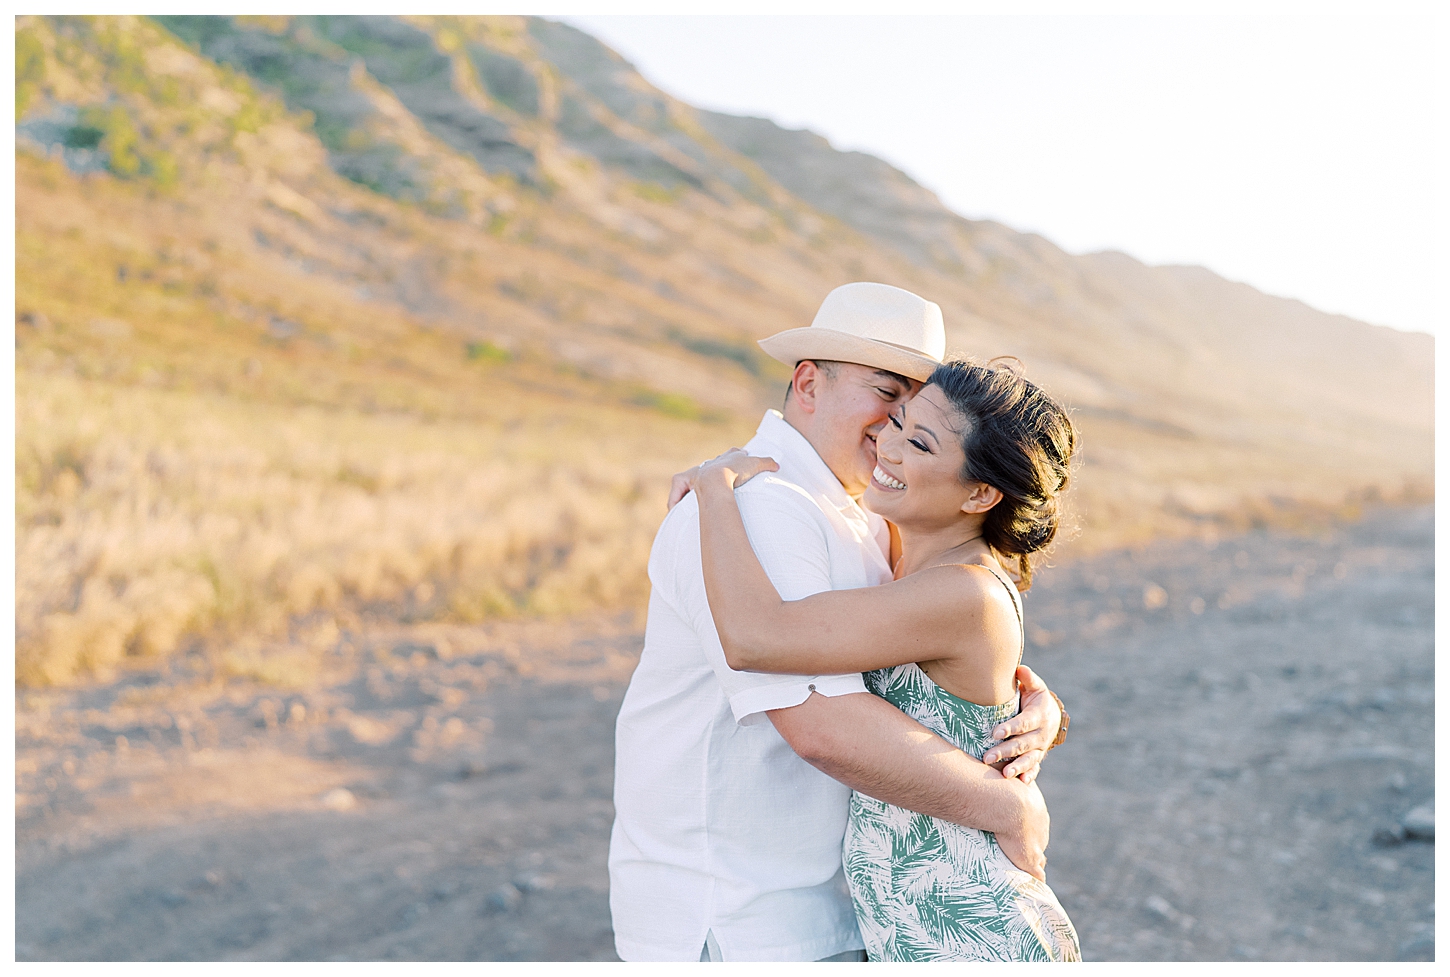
(885, 481)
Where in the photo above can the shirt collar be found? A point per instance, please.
(799, 462)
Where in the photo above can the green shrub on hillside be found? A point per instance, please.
(110, 129)
(658, 192)
(29, 67)
(488, 352)
(678, 406)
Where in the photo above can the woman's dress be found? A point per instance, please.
(927, 889)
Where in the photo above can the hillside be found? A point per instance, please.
(321, 317)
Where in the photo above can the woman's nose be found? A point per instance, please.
(888, 444)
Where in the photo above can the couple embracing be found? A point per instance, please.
(830, 741)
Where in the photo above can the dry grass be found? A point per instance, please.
(146, 516)
(151, 518)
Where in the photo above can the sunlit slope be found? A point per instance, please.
(319, 317)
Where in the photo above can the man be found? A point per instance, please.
(732, 788)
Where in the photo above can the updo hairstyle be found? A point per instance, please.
(1021, 442)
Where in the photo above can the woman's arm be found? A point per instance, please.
(919, 618)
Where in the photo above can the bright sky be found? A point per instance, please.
(1303, 155)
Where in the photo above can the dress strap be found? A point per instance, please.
(1016, 606)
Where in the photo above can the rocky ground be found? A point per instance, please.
(1252, 723)
(1252, 728)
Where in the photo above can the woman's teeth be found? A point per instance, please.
(886, 479)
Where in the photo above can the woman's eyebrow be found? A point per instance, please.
(923, 427)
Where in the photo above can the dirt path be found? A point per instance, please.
(1228, 770)
(444, 793)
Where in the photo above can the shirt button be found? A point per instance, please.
(811, 687)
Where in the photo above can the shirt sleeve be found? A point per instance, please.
(788, 534)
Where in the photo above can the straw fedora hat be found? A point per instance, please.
(875, 325)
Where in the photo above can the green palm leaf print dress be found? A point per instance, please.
(927, 889)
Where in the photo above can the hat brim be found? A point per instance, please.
(815, 343)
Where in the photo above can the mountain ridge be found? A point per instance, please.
(403, 106)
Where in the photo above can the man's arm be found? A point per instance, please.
(871, 746)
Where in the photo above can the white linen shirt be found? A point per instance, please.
(719, 827)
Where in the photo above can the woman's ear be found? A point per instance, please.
(981, 498)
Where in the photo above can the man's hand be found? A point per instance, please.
(1026, 845)
(1027, 736)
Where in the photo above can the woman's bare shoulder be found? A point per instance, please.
(976, 587)
(985, 636)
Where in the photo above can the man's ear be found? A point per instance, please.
(981, 498)
(805, 385)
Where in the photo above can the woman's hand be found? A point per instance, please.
(733, 467)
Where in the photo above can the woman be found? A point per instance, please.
(969, 473)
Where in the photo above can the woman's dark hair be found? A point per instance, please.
(1021, 442)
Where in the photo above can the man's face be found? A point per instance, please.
(850, 410)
